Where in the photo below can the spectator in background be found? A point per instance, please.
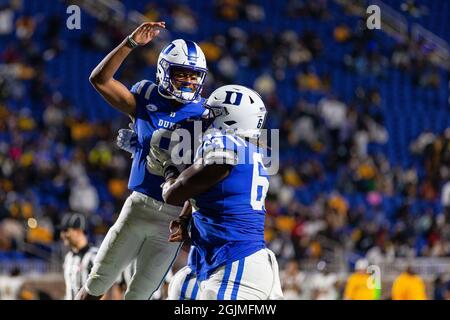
(333, 112)
(401, 57)
(229, 10)
(414, 9)
(265, 84)
(83, 196)
(422, 143)
(383, 253)
(342, 33)
(12, 233)
(324, 284)
(31, 292)
(25, 27)
(228, 68)
(184, 20)
(254, 12)
(357, 287)
(293, 282)
(309, 81)
(439, 288)
(6, 20)
(11, 285)
(409, 286)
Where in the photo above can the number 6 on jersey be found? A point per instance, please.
(260, 183)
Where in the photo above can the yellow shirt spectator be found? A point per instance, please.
(285, 223)
(357, 287)
(408, 286)
(339, 204)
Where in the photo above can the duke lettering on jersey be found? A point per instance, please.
(168, 124)
(155, 126)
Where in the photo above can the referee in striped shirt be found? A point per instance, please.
(79, 260)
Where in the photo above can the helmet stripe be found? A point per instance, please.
(169, 48)
(192, 51)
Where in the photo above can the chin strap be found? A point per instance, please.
(164, 93)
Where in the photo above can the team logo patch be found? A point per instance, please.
(151, 107)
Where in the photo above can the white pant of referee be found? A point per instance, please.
(141, 232)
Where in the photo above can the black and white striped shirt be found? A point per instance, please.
(77, 266)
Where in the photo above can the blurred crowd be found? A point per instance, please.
(54, 164)
(335, 188)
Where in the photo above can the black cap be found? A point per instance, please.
(73, 220)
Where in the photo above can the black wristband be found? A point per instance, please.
(171, 172)
(133, 44)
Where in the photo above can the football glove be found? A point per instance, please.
(160, 164)
(127, 140)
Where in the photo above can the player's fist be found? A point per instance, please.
(146, 32)
(157, 161)
(179, 229)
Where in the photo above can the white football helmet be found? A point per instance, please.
(185, 54)
(237, 108)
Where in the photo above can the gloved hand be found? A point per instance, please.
(127, 140)
(158, 162)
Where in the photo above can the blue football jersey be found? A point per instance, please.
(229, 221)
(156, 119)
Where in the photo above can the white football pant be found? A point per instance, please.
(141, 232)
(255, 277)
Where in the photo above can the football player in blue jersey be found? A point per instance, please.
(228, 184)
(157, 109)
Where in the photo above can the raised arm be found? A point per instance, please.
(102, 77)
